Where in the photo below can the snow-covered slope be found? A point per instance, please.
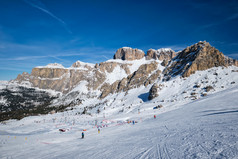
(177, 91)
(205, 128)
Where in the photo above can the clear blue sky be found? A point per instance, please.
(38, 32)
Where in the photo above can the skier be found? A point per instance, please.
(154, 116)
(99, 130)
(82, 135)
(133, 122)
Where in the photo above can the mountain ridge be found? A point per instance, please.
(130, 70)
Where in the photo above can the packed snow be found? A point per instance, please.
(82, 87)
(135, 64)
(116, 74)
(205, 128)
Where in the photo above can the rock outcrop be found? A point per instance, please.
(23, 78)
(66, 79)
(198, 57)
(161, 54)
(127, 53)
(146, 74)
(164, 54)
(231, 62)
(82, 65)
(110, 66)
(59, 78)
(153, 93)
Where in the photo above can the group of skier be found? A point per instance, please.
(83, 133)
(99, 127)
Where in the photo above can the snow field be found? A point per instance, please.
(205, 128)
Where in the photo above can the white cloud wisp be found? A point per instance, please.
(39, 5)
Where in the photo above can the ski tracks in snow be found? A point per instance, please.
(156, 151)
(145, 154)
(162, 151)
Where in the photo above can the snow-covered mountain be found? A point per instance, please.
(192, 93)
(127, 82)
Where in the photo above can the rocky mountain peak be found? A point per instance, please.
(127, 53)
(198, 57)
(76, 64)
(80, 64)
(23, 77)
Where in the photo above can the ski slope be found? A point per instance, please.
(204, 128)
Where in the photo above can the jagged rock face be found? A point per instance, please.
(151, 79)
(161, 54)
(230, 62)
(59, 78)
(153, 93)
(81, 65)
(110, 66)
(140, 77)
(127, 53)
(200, 56)
(65, 79)
(96, 79)
(107, 89)
(23, 78)
(48, 72)
(50, 78)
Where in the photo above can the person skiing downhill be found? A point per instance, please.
(82, 135)
(154, 116)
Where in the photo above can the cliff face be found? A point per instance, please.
(146, 74)
(95, 76)
(127, 53)
(164, 54)
(56, 78)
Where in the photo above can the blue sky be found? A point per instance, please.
(38, 32)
